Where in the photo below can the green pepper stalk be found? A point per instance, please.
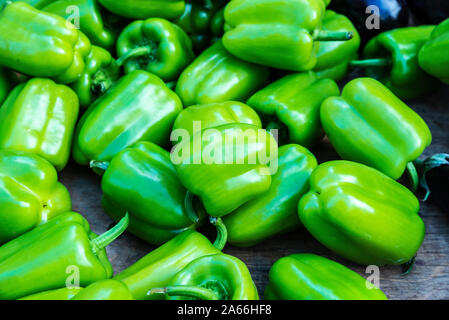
(211, 277)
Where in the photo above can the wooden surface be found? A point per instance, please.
(428, 280)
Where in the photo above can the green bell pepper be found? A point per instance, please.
(292, 105)
(392, 58)
(101, 290)
(39, 116)
(155, 45)
(142, 181)
(99, 75)
(433, 56)
(46, 44)
(362, 214)
(333, 57)
(5, 84)
(105, 290)
(66, 293)
(277, 33)
(217, 76)
(275, 211)
(159, 267)
(90, 19)
(143, 9)
(212, 277)
(226, 166)
(30, 193)
(311, 277)
(215, 114)
(38, 260)
(370, 125)
(139, 107)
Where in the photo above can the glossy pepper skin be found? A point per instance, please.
(402, 74)
(105, 290)
(392, 14)
(47, 46)
(139, 107)
(217, 76)
(311, 277)
(39, 116)
(142, 181)
(90, 19)
(98, 76)
(30, 193)
(155, 45)
(370, 125)
(433, 57)
(143, 9)
(232, 166)
(5, 84)
(275, 211)
(275, 33)
(292, 105)
(158, 268)
(38, 4)
(362, 214)
(212, 277)
(333, 57)
(101, 290)
(432, 12)
(215, 114)
(64, 241)
(66, 293)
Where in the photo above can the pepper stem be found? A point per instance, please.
(412, 176)
(408, 266)
(222, 232)
(370, 63)
(195, 292)
(106, 238)
(434, 161)
(188, 205)
(322, 35)
(101, 165)
(134, 53)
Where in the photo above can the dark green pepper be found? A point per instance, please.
(90, 19)
(155, 45)
(275, 211)
(217, 76)
(5, 84)
(139, 107)
(39, 116)
(38, 260)
(292, 105)
(30, 194)
(158, 268)
(311, 277)
(211, 277)
(46, 44)
(142, 181)
(143, 9)
(392, 58)
(433, 56)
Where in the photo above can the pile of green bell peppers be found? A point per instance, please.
(141, 90)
